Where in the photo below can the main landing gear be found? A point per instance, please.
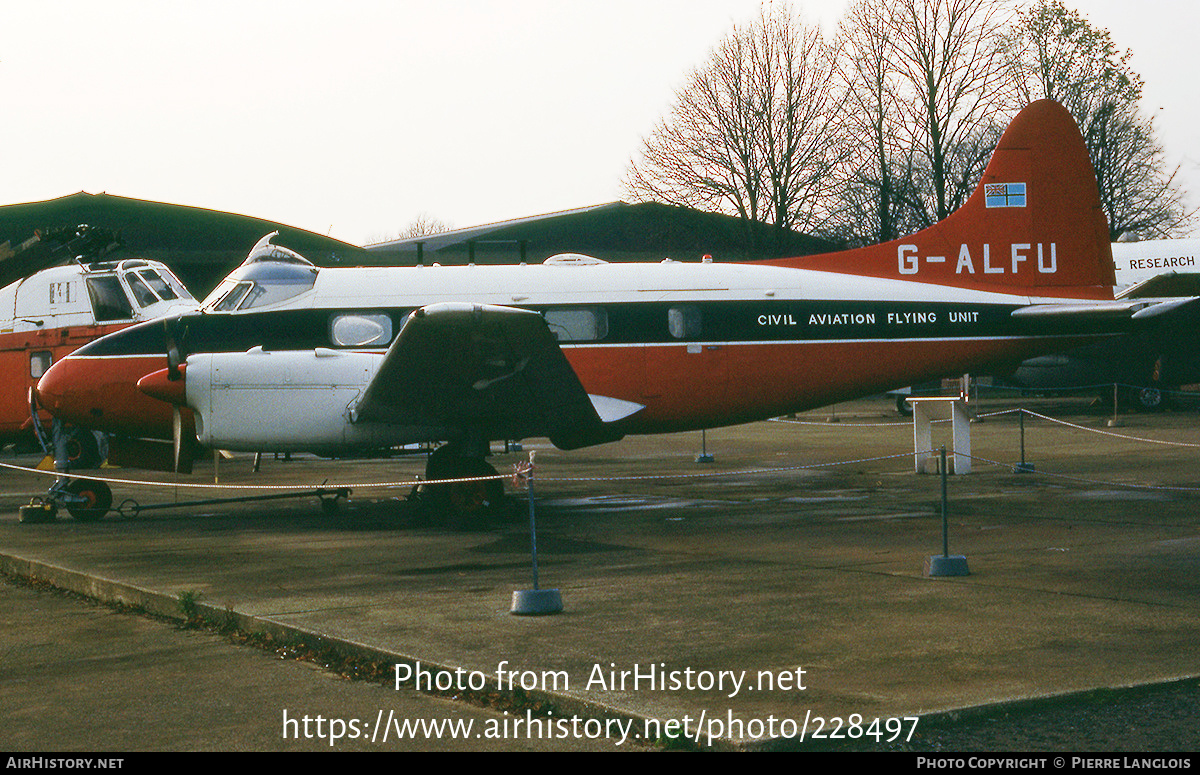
(463, 505)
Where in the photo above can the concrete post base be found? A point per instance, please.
(536, 602)
(939, 565)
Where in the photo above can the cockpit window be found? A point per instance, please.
(269, 275)
(109, 301)
(141, 292)
(230, 296)
(158, 284)
(268, 292)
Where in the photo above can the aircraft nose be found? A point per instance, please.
(62, 391)
(102, 394)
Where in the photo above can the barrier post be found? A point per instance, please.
(1022, 467)
(534, 602)
(925, 411)
(946, 565)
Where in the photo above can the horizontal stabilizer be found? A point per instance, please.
(1163, 285)
(1133, 309)
(1092, 311)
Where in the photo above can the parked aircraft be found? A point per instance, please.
(286, 356)
(52, 312)
(1148, 366)
(1160, 267)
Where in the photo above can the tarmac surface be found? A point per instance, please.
(756, 601)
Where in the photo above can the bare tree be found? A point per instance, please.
(421, 226)
(951, 57)
(424, 225)
(751, 131)
(869, 201)
(1059, 55)
(925, 87)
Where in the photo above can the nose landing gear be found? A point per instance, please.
(86, 500)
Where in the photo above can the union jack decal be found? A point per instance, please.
(1004, 194)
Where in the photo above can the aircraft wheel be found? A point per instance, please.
(461, 505)
(1151, 399)
(1148, 399)
(83, 451)
(98, 496)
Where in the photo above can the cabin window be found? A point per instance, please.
(109, 302)
(587, 324)
(684, 322)
(39, 363)
(358, 329)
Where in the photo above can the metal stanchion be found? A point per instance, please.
(946, 565)
(534, 602)
(1023, 467)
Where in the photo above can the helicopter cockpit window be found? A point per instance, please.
(158, 284)
(109, 301)
(141, 292)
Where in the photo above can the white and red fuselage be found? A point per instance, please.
(679, 345)
(696, 344)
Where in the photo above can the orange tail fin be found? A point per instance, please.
(1034, 225)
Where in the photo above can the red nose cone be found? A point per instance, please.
(160, 385)
(102, 394)
(57, 393)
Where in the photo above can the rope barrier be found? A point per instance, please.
(903, 423)
(1108, 433)
(411, 482)
(1084, 480)
(264, 487)
(639, 478)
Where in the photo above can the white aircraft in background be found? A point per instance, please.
(1154, 265)
(1147, 367)
(52, 312)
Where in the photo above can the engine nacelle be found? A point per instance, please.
(282, 401)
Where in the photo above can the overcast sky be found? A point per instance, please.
(353, 117)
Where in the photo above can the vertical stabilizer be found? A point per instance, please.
(1034, 225)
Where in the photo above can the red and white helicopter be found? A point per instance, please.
(286, 356)
(54, 311)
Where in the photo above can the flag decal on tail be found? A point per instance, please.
(1004, 194)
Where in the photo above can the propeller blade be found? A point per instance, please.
(183, 447)
(175, 355)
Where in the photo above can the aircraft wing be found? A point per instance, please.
(498, 370)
